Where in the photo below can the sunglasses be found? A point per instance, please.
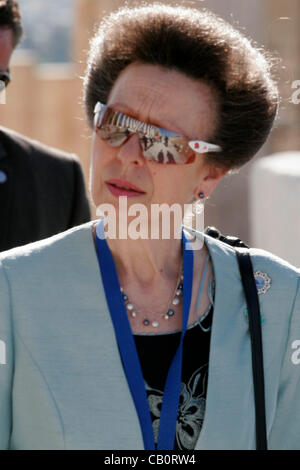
(158, 144)
(5, 77)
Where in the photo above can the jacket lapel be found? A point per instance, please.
(229, 421)
(229, 416)
(3, 152)
(5, 195)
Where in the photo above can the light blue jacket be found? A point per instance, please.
(62, 384)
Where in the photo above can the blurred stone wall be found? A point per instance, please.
(44, 101)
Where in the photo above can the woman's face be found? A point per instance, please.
(171, 100)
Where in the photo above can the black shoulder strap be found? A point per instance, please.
(247, 275)
(233, 241)
(250, 290)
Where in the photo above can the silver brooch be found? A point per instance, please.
(263, 282)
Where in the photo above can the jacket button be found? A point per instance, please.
(3, 177)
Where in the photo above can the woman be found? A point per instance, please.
(119, 342)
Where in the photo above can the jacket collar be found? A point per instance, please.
(229, 384)
(3, 151)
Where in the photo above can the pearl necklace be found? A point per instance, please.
(132, 311)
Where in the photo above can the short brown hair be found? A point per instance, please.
(10, 17)
(202, 46)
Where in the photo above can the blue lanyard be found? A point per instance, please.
(129, 355)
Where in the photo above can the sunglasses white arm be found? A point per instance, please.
(203, 147)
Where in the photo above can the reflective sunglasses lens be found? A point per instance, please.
(113, 128)
(113, 136)
(164, 149)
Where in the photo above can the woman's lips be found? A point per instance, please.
(123, 184)
(122, 192)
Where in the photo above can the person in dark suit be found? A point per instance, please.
(42, 190)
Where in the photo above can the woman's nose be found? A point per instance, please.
(131, 150)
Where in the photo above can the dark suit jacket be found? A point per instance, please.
(42, 190)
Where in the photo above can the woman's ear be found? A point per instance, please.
(212, 176)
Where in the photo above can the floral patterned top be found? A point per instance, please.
(156, 352)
